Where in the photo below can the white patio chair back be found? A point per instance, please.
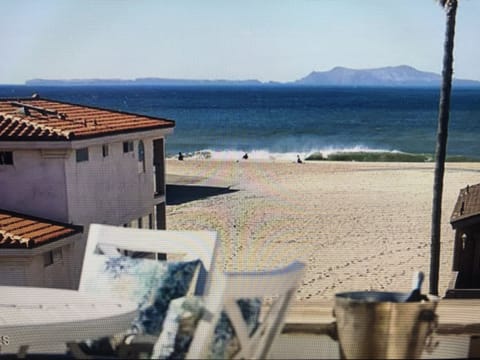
(228, 288)
(179, 245)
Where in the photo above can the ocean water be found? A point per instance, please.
(387, 124)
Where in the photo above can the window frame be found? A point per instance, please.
(128, 146)
(141, 157)
(6, 157)
(53, 256)
(150, 221)
(57, 254)
(48, 258)
(82, 155)
(105, 150)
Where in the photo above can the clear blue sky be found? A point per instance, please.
(277, 40)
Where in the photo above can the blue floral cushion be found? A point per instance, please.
(181, 321)
(151, 284)
(178, 328)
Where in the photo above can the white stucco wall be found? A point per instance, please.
(46, 180)
(110, 190)
(34, 185)
(14, 271)
(25, 267)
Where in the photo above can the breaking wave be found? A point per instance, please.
(355, 153)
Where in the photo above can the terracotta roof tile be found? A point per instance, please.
(23, 231)
(42, 119)
(468, 204)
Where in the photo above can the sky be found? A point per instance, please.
(268, 40)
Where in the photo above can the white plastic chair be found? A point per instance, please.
(230, 287)
(181, 245)
(176, 245)
(220, 290)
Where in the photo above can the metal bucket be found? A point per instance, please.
(378, 325)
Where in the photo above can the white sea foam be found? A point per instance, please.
(253, 154)
(266, 155)
(354, 149)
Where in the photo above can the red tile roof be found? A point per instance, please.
(23, 231)
(468, 204)
(49, 120)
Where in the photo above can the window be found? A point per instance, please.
(140, 223)
(51, 257)
(57, 255)
(105, 150)
(6, 158)
(82, 154)
(127, 146)
(141, 157)
(48, 258)
(150, 221)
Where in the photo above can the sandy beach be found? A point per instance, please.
(357, 226)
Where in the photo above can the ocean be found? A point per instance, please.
(269, 123)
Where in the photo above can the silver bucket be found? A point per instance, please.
(378, 325)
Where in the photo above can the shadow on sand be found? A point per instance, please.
(179, 194)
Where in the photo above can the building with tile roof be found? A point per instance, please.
(35, 119)
(77, 164)
(36, 251)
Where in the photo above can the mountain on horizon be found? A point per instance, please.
(402, 75)
(390, 76)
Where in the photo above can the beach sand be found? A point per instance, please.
(357, 226)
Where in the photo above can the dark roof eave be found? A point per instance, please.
(466, 220)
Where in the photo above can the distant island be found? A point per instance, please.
(391, 76)
(140, 82)
(403, 75)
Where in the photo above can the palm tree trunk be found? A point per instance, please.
(441, 146)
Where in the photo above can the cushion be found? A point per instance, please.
(151, 284)
(180, 323)
(178, 328)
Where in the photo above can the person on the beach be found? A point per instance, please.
(299, 160)
(180, 156)
(245, 157)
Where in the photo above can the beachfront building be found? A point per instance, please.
(78, 164)
(465, 220)
(37, 252)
